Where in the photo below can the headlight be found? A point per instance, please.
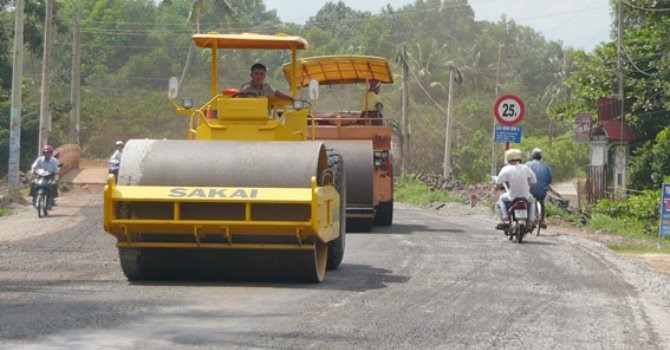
(378, 154)
(300, 104)
(187, 103)
(379, 163)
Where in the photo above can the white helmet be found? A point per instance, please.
(119, 143)
(536, 153)
(513, 154)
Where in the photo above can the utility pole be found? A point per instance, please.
(75, 97)
(619, 64)
(493, 136)
(447, 143)
(45, 116)
(621, 150)
(15, 111)
(404, 152)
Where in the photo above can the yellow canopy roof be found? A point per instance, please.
(250, 41)
(340, 69)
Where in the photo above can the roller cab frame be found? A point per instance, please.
(154, 214)
(353, 125)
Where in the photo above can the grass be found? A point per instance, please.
(641, 241)
(4, 212)
(412, 191)
(637, 249)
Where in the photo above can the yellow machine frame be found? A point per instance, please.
(224, 117)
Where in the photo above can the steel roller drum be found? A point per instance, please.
(223, 164)
(359, 170)
(358, 166)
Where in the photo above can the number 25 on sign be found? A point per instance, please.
(509, 110)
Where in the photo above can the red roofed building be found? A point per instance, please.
(609, 139)
(614, 130)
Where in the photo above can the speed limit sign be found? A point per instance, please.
(509, 110)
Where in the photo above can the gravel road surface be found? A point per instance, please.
(436, 279)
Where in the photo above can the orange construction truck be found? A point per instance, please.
(369, 198)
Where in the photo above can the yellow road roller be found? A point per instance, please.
(247, 196)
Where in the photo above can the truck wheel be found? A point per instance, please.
(384, 214)
(336, 246)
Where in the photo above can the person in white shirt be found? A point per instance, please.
(519, 178)
(115, 159)
(47, 162)
(118, 151)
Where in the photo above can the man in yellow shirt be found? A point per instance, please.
(371, 106)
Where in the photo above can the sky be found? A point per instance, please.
(582, 24)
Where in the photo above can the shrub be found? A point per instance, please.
(642, 208)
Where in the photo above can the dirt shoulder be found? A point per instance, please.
(660, 262)
(22, 222)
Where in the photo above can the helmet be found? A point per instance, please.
(513, 154)
(47, 148)
(119, 143)
(536, 153)
(374, 84)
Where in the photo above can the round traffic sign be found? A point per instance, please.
(509, 110)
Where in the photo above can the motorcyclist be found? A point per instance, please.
(519, 178)
(544, 178)
(49, 163)
(115, 159)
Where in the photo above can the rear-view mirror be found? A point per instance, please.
(173, 88)
(313, 89)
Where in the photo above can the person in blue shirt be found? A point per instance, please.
(544, 178)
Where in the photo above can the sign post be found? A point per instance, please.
(664, 225)
(509, 110)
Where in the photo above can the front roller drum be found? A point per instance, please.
(304, 266)
(237, 164)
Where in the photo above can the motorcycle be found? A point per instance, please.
(518, 214)
(114, 165)
(41, 191)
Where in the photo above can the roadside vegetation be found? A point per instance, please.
(635, 217)
(410, 190)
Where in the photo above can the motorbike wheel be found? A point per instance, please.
(41, 204)
(521, 229)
